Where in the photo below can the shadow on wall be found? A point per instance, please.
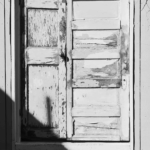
(6, 104)
(34, 129)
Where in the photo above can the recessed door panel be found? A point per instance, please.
(98, 71)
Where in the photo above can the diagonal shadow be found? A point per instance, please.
(36, 130)
(6, 104)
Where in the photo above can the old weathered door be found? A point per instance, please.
(44, 102)
(98, 71)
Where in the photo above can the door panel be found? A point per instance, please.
(42, 28)
(44, 103)
(103, 96)
(100, 128)
(43, 95)
(95, 9)
(98, 71)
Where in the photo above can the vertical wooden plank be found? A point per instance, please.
(13, 16)
(126, 72)
(8, 77)
(124, 104)
(2, 77)
(131, 89)
(137, 75)
(145, 74)
(62, 69)
(69, 70)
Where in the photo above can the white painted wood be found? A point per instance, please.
(101, 122)
(126, 75)
(144, 75)
(43, 96)
(42, 4)
(42, 55)
(96, 24)
(92, 111)
(107, 138)
(96, 82)
(97, 69)
(132, 112)
(137, 75)
(97, 128)
(125, 106)
(92, 43)
(84, 97)
(45, 45)
(69, 70)
(62, 70)
(95, 53)
(96, 39)
(95, 9)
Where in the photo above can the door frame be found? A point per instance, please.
(136, 97)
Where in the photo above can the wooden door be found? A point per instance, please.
(98, 71)
(44, 102)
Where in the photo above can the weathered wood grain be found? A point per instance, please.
(43, 96)
(101, 128)
(95, 97)
(125, 107)
(95, 9)
(69, 70)
(96, 82)
(96, 40)
(101, 138)
(91, 52)
(45, 42)
(125, 46)
(62, 70)
(96, 69)
(107, 123)
(91, 111)
(96, 24)
(42, 28)
(42, 3)
(126, 74)
(42, 55)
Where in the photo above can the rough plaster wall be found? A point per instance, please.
(145, 74)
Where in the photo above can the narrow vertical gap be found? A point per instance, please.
(140, 74)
